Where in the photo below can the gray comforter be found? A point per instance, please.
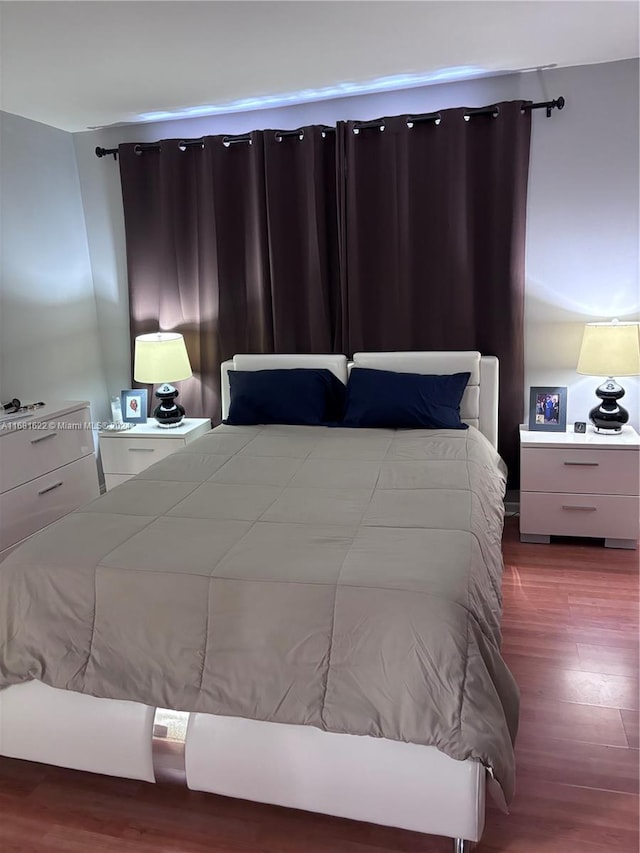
(345, 579)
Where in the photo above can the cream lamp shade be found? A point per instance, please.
(160, 357)
(610, 349)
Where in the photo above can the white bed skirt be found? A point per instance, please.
(362, 778)
(108, 736)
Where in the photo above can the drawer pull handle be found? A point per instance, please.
(43, 437)
(584, 464)
(583, 508)
(50, 488)
(141, 449)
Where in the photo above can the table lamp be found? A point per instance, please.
(161, 357)
(610, 349)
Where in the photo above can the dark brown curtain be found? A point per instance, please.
(402, 238)
(235, 246)
(432, 232)
(300, 179)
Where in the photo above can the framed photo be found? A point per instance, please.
(548, 408)
(134, 406)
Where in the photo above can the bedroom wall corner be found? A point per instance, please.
(48, 321)
(102, 203)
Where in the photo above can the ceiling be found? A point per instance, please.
(76, 65)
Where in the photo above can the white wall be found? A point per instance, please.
(582, 241)
(582, 229)
(48, 320)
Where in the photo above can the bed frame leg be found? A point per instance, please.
(460, 845)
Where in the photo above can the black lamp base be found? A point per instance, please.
(169, 413)
(609, 417)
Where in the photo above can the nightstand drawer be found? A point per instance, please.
(132, 455)
(30, 507)
(580, 471)
(601, 516)
(28, 453)
(113, 480)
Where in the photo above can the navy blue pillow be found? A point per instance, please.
(299, 395)
(383, 398)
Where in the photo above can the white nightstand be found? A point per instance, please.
(575, 484)
(125, 453)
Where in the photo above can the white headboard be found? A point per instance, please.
(479, 406)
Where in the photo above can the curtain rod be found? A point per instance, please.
(493, 110)
(556, 104)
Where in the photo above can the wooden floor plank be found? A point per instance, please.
(571, 721)
(551, 651)
(570, 636)
(550, 681)
(631, 723)
(609, 768)
(610, 660)
(621, 637)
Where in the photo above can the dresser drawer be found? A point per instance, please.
(28, 453)
(580, 471)
(598, 516)
(34, 505)
(133, 455)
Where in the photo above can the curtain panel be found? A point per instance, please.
(410, 237)
(432, 236)
(235, 246)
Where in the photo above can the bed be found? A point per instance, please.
(315, 721)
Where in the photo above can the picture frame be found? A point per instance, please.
(133, 402)
(548, 408)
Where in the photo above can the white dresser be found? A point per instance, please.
(126, 453)
(47, 468)
(575, 484)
